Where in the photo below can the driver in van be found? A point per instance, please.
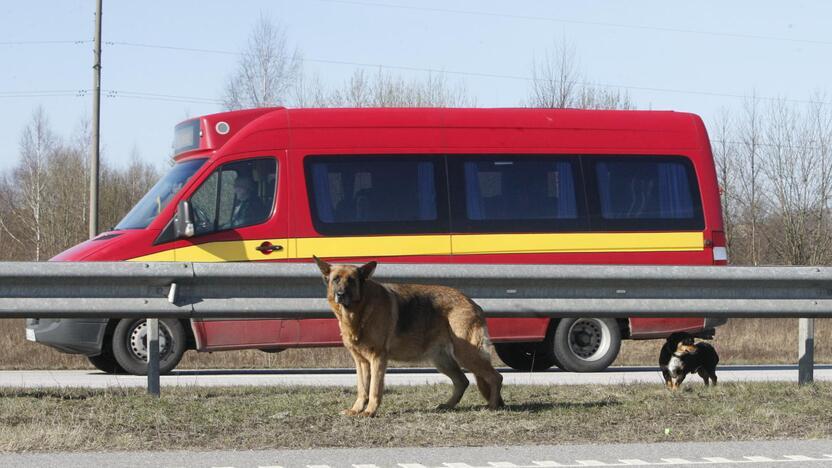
(248, 208)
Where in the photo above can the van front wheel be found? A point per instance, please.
(534, 357)
(106, 362)
(130, 345)
(587, 344)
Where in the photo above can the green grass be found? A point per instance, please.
(305, 417)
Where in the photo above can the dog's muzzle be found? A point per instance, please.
(343, 298)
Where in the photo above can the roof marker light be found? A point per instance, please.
(222, 128)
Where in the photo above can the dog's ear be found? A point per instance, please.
(324, 267)
(365, 271)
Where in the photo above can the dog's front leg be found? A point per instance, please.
(378, 366)
(666, 376)
(362, 376)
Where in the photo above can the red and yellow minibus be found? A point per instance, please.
(454, 186)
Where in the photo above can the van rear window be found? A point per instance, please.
(644, 193)
(377, 195)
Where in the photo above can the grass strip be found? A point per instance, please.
(306, 417)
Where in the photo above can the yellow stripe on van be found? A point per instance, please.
(163, 256)
(463, 244)
(228, 251)
(376, 246)
(466, 244)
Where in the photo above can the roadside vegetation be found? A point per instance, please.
(306, 417)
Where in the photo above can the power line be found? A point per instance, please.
(580, 22)
(175, 98)
(110, 93)
(180, 49)
(474, 74)
(114, 93)
(16, 43)
(485, 14)
(44, 93)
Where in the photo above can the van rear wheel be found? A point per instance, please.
(130, 345)
(587, 344)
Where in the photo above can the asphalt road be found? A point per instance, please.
(401, 376)
(816, 453)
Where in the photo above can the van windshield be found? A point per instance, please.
(160, 195)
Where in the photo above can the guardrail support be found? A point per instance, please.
(805, 351)
(153, 357)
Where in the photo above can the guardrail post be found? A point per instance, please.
(805, 351)
(153, 357)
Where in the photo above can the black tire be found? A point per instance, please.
(130, 345)
(587, 344)
(106, 362)
(528, 357)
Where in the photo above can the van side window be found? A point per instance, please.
(516, 193)
(655, 193)
(236, 195)
(354, 195)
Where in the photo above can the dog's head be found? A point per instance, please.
(344, 283)
(686, 345)
(674, 339)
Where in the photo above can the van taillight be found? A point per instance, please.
(720, 250)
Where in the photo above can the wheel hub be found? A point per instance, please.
(138, 340)
(587, 338)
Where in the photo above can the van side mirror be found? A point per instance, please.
(183, 222)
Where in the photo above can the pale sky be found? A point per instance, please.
(685, 56)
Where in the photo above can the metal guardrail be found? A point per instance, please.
(131, 290)
(274, 290)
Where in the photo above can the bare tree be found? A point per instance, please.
(266, 71)
(750, 175)
(557, 82)
(725, 155)
(310, 92)
(28, 202)
(386, 90)
(820, 139)
(555, 79)
(797, 166)
(122, 188)
(43, 198)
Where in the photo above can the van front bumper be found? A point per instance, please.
(72, 336)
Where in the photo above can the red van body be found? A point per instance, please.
(600, 171)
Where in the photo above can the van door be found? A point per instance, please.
(240, 214)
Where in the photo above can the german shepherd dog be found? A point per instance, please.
(408, 322)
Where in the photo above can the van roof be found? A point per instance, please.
(498, 117)
(685, 130)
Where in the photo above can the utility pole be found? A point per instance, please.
(96, 124)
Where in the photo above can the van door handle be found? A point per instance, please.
(267, 247)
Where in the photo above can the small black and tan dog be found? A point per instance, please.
(680, 356)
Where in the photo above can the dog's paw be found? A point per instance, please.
(500, 405)
(367, 414)
(349, 412)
